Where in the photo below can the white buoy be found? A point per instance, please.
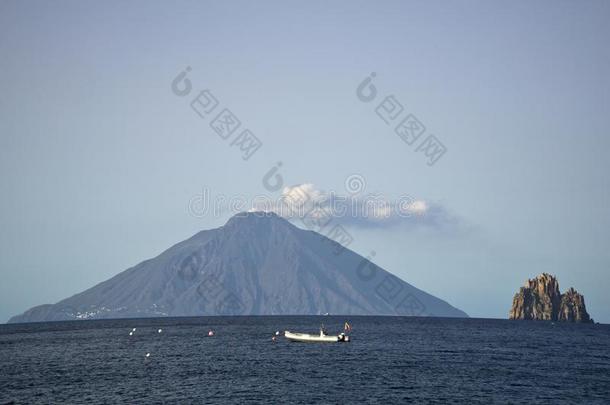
(133, 330)
(147, 354)
(160, 330)
(277, 333)
(211, 333)
(130, 333)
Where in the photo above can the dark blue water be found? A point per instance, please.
(390, 360)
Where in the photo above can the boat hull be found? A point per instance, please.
(308, 338)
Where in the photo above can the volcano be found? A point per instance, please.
(256, 264)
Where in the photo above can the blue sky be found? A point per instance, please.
(99, 158)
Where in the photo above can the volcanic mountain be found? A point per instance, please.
(256, 264)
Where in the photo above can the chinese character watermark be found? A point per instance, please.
(409, 129)
(225, 123)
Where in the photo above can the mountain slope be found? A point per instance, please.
(256, 264)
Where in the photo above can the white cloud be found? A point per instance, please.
(306, 202)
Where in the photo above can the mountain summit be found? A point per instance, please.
(256, 264)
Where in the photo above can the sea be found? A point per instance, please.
(389, 360)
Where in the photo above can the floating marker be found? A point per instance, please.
(211, 333)
(133, 330)
(277, 333)
(130, 333)
(147, 354)
(160, 330)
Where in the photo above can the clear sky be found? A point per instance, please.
(99, 159)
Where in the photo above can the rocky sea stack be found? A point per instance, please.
(540, 299)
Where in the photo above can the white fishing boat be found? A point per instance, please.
(322, 337)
